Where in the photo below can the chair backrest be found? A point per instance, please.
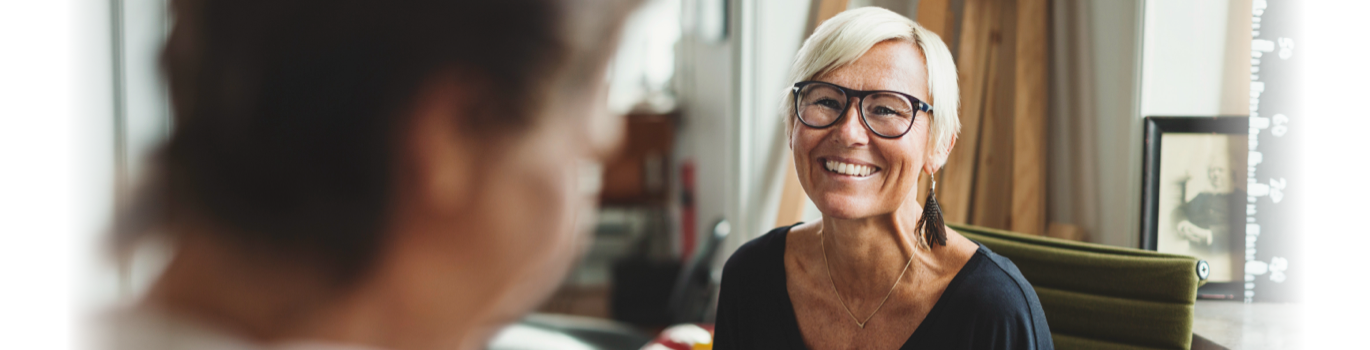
(1096, 296)
(692, 294)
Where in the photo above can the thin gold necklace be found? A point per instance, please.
(859, 323)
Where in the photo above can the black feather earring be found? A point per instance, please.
(930, 225)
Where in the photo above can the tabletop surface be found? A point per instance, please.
(1238, 325)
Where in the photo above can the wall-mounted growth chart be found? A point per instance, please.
(1272, 268)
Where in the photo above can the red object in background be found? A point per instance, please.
(687, 210)
(689, 336)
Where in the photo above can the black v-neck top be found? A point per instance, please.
(987, 305)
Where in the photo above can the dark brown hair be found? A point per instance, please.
(286, 111)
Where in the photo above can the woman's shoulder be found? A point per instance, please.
(1002, 268)
(991, 294)
(992, 284)
(754, 310)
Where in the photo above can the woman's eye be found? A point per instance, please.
(884, 111)
(827, 102)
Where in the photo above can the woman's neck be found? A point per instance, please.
(868, 254)
(213, 283)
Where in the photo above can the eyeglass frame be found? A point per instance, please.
(860, 96)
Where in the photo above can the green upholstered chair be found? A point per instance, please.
(1103, 297)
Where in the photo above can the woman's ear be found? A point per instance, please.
(938, 156)
(437, 162)
(946, 151)
(789, 132)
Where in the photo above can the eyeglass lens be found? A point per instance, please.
(887, 114)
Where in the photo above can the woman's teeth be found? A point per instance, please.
(849, 169)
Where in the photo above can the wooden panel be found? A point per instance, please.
(932, 15)
(826, 9)
(954, 190)
(1030, 122)
(994, 166)
(792, 197)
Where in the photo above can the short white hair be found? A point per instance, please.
(844, 38)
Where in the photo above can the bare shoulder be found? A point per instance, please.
(802, 239)
(962, 245)
(808, 228)
(956, 253)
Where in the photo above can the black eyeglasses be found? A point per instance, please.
(888, 114)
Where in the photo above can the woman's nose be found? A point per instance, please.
(850, 131)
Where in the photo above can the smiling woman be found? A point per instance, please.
(873, 108)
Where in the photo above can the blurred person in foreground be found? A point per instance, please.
(873, 106)
(368, 174)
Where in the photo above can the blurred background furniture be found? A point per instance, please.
(695, 292)
(565, 332)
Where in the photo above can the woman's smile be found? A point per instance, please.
(848, 168)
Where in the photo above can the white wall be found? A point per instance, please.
(730, 94)
(146, 111)
(705, 135)
(1183, 57)
(769, 51)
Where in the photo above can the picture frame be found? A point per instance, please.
(1193, 195)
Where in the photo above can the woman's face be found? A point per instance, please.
(504, 223)
(539, 199)
(896, 163)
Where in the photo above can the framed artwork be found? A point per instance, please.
(1194, 195)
